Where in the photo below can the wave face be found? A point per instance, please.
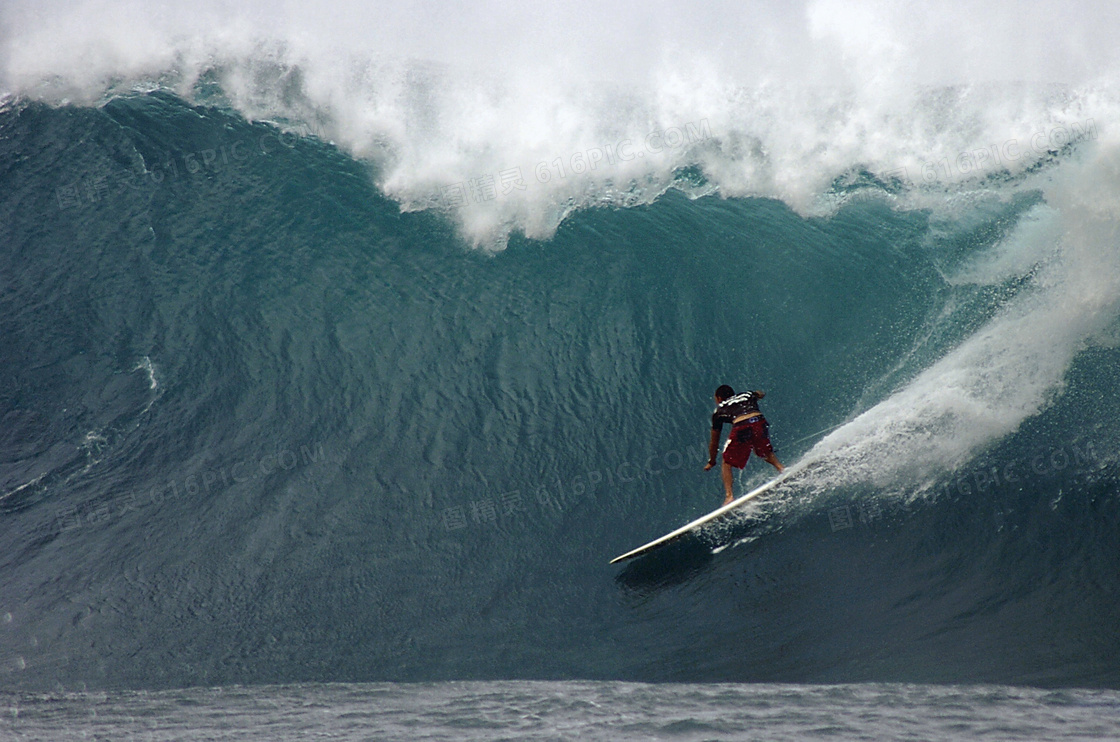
(270, 415)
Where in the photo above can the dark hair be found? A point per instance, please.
(725, 392)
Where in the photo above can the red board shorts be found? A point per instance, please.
(753, 434)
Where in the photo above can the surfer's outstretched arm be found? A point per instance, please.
(713, 449)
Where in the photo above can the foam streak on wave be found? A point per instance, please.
(1013, 367)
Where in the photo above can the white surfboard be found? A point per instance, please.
(705, 519)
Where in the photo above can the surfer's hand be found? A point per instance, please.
(709, 465)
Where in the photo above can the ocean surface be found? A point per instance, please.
(540, 710)
(331, 381)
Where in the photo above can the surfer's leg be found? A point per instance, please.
(762, 447)
(727, 479)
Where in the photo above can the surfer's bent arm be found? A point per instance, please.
(713, 447)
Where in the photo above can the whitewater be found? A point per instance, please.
(341, 347)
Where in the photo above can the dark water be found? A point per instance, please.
(257, 425)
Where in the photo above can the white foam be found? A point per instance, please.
(1014, 366)
(790, 96)
(1031, 243)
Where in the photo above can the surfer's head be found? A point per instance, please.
(724, 392)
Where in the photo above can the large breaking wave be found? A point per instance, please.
(272, 415)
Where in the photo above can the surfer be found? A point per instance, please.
(749, 431)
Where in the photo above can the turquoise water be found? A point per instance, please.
(261, 426)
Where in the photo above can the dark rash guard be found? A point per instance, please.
(736, 406)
